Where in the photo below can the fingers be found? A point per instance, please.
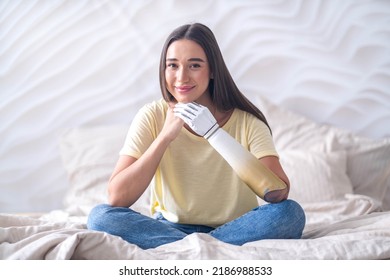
(183, 114)
(188, 111)
(172, 125)
(190, 107)
(193, 106)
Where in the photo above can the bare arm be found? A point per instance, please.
(132, 176)
(273, 164)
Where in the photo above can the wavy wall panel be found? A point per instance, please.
(76, 63)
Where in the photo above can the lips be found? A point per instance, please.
(184, 89)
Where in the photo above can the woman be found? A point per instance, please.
(207, 151)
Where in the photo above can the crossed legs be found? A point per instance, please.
(284, 220)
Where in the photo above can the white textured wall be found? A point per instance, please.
(68, 63)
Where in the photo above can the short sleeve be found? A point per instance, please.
(142, 132)
(260, 139)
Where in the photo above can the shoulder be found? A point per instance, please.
(155, 107)
(249, 121)
(150, 116)
(153, 112)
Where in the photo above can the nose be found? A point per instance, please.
(182, 75)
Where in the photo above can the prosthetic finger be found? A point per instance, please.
(184, 115)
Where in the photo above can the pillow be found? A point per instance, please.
(89, 155)
(316, 176)
(368, 160)
(368, 165)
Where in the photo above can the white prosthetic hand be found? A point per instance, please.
(257, 176)
(198, 118)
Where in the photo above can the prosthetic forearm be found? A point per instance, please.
(258, 177)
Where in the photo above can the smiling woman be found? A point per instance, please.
(187, 156)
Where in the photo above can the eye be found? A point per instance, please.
(195, 65)
(171, 65)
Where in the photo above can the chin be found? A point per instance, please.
(185, 100)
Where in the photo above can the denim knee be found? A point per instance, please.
(96, 216)
(296, 216)
(288, 217)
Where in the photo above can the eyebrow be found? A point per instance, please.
(191, 59)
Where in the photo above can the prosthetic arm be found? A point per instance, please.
(258, 177)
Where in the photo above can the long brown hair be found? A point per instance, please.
(224, 93)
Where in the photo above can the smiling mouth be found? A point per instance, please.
(183, 89)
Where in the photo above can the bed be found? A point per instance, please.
(72, 74)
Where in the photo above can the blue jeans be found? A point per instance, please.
(284, 220)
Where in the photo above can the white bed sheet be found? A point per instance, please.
(351, 228)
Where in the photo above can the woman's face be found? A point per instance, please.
(187, 72)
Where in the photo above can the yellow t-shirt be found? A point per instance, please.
(193, 183)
